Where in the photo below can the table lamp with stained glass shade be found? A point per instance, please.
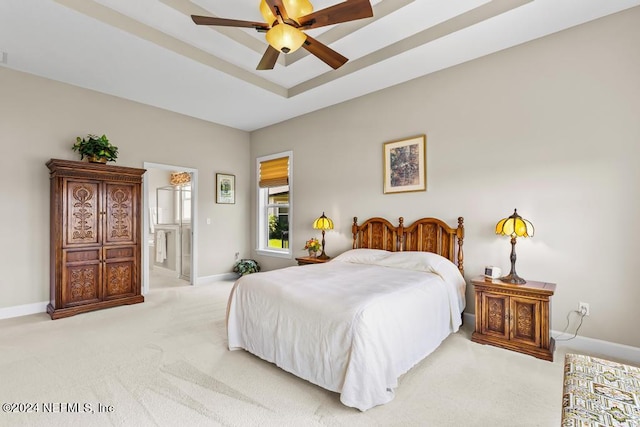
(323, 223)
(514, 226)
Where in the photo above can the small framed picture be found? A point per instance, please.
(225, 188)
(405, 166)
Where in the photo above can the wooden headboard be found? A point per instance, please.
(424, 235)
(375, 233)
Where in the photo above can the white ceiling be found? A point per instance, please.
(150, 51)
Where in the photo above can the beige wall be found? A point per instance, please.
(39, 120)
(550, 127)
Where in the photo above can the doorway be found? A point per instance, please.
(170, 219)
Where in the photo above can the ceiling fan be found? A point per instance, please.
(285, 20)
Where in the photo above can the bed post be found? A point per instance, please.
(400, 236)
(354, 231)
(460, 236)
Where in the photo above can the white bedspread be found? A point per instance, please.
(348, 327)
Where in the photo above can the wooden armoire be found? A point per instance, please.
(96, 226)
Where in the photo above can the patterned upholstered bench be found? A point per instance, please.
(599, 392)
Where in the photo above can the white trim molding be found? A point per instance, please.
(599, 348)
(262, 235)
(145, 221)
(23, 310)
(206, 280)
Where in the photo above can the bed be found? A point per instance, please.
(355, 324)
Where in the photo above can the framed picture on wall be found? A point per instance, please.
(405, 165)
(225, 188)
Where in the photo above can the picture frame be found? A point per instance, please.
(405, 165)
(225, 188)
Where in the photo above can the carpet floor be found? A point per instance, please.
(165, 363)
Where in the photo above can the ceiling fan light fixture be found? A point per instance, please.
(284, 22)
(294, 10)
(298, 8)
(285, 38)
(266, 13)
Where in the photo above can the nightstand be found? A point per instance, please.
(514, 317)
(305, 260)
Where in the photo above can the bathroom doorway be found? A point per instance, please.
(169, 257)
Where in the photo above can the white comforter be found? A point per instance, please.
(353, 325)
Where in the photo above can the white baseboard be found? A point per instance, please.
(164, 270)
(469, 319)
(598, 348)
(41, 307)
(23, 310)
(216, 278)
(588, 346)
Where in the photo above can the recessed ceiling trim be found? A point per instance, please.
(380, 10)
(457, 23)
(46, 38)
(340, 31)
(189, 8)
(118, 20)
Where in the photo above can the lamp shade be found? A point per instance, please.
(514, 226)
(285, 38)
(266, 13)
(294, 8)
(323, 223)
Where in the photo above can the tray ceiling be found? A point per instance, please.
(150, 51)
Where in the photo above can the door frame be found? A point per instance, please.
(145, 222)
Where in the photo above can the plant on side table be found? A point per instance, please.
(246, 266)
(97, 149)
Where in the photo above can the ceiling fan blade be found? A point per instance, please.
(269, 59)
(348, 10)
(211, 20)
(324, 53)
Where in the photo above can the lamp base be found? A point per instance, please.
(513, 279)
(323, 256)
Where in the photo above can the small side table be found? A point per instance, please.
(514, 317)
(305, 260)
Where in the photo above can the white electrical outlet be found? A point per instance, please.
(583, 308)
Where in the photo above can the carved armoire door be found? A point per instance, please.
(120, 240)
(121, 207)
(81, 276)
(81, 253)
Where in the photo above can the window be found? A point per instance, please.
(274, 204)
